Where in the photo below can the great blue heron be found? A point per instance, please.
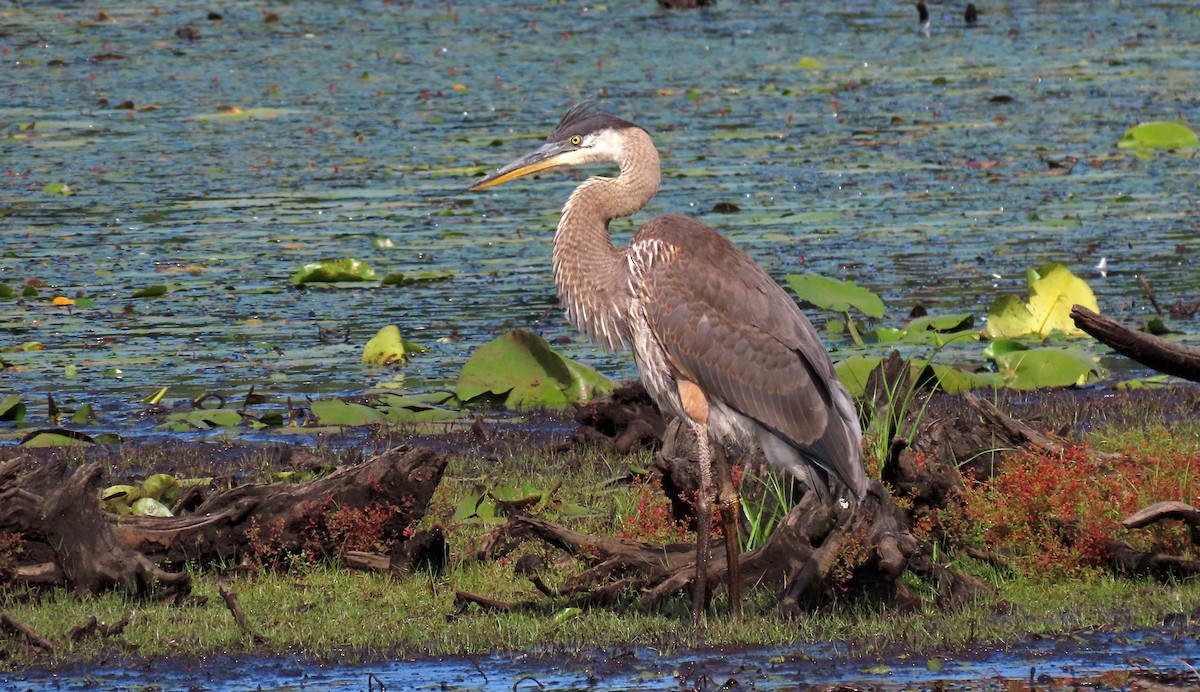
(717, 341)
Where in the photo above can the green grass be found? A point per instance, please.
(326, 613)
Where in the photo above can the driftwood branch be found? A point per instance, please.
(1149, 350)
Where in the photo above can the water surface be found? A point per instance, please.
(917, 165)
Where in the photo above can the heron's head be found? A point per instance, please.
(584, 135)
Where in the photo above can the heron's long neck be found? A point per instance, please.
(590, 272)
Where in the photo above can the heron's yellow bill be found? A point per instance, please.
(544, 158)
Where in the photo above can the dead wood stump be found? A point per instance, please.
(58, 513)
(69, 539)
(290, 517)
(626, 420)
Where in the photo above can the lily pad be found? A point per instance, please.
(1053, 290)
(853, 372)
(338, 412)
(1159, 135)
(11, 408)
(835, 294)
(1047, 367)
(386, 347)
(163, 487)
(414, 409)
(203, 419)
(999, 347)
(421, 277)
(333, 271)
(149, 507)
(150, 292)
(56, 437)
(521, 370)
(942, 323)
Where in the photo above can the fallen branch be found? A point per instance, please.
(1149, 350)
(14, 628)
(462, 599)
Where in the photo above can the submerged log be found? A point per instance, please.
(1149, 350)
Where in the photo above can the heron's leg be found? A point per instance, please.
(731, 511)
(703, 522)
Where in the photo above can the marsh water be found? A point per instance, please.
(1094, 662)
(213, 152)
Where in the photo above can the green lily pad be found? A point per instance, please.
(854, 371)
(1159, 135)
(235, 113)
(119, 498)
(953, 380)
(942, 323)
(338, 412)
(59, 189)
(1053, 290)
(57, 437)
(149, 507)
(999, 347)
(509, 498)
(154, 397)
(333, 271)
(414, 409)
(1152, 382)
(203, 419)
(426, 276)
(150, 292)
(385, 347)
(11, 408)
(83, 415)
(835, 294)
(522, 371)
(163, 487)
(884, 335)
(1047, 367)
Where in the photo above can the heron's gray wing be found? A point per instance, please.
(735, 332)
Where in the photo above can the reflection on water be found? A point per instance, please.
(932, 169)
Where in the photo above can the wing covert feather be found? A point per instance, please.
(728, 326)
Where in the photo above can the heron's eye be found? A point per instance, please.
(577, 140)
